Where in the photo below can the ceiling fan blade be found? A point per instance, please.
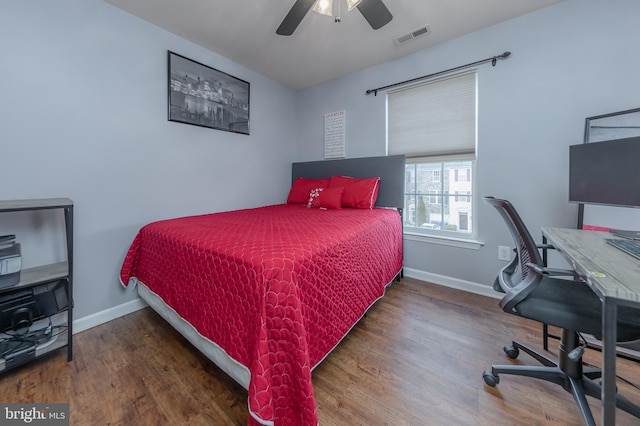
(375, 12)
(294, 17)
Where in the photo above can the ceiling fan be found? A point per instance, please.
(374, 11)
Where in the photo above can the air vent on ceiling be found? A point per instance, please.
(401, 39)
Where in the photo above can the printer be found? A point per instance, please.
(10, 261)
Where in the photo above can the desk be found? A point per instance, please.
(615, 277)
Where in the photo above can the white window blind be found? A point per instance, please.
(434, 119)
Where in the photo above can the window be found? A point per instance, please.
(464, 221)
(437, 206)
(463, 196)
(433, 197)
(463, 175)
(434, 125)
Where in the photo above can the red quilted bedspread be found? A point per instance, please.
(276, 287)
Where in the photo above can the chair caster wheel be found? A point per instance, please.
(490, 378)
(511, 352)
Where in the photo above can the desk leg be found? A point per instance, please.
(609, 330)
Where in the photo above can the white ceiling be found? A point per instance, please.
(319, 50)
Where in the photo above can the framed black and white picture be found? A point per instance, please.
(204, 96)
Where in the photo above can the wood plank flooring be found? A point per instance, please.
(416, 359)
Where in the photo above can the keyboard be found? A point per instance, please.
(631, 247)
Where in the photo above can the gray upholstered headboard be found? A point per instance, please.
(390, 169)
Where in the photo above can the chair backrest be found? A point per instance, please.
(518, 278)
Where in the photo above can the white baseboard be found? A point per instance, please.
(456, 283)
(107, 315)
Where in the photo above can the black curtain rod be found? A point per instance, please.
(493, 61)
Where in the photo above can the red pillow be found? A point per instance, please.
(358, 193)
(327, 198)
(301, 188)
(314, 198)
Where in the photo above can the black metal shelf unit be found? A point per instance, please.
(34, 281)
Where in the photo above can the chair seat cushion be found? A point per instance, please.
(572, 305)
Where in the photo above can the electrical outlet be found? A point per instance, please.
(504, 253)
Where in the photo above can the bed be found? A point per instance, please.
(266, 293)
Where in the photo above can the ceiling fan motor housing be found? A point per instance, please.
(374, 11)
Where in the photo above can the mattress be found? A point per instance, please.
(273, 289)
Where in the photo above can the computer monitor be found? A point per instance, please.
(606, 173)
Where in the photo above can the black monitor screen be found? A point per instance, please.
(605, 172)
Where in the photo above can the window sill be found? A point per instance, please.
(444, 240)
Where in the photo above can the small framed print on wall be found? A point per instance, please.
(204, 96)
(334, 135)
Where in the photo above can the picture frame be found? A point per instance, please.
(204, 96)
(615, 125)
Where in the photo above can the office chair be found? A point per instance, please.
(533, 292)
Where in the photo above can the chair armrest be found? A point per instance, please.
(545, 246)
(553, 272)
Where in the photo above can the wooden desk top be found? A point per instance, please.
(608, 270)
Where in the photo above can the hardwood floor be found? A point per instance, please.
(416, 359)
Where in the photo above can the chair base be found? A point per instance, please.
(571, 376)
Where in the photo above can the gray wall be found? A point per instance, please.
(83, 114)
(569, 61)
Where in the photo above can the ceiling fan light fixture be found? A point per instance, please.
(373, 11)
(352, 4)
(324, 7)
